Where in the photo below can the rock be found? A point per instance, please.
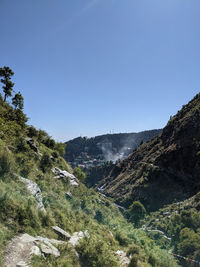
(31, 143)
(73, 183)
(48, 248)
(52, 241)
(123, 259)
(86, 234)
(64, 174)
(166, 213)
(77, 236)
(61, 232)
(21, 248)
(26, 238)
(68, 195)
(21, 264)
(35, 191)
(35, 251)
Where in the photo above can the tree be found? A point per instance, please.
(60, 147)
(6, 74)
(189, 242)
(18, 101)
(137, 212)
(32, 132)
(79, 174)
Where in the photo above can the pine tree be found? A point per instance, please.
(18, 101)
(6, 74)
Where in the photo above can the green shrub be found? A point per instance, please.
(45, 163)
(96, 253)
(137, 212)
(122, 238)
(6, 162)
(60, 147)
(133, 249)
(134, 261)
(99, 216)
(21, 144)
(79, 174)
(50, 143)
(32, 132)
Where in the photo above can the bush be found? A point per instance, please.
(6, 162)
(21, 144)
(32, 132)
(79, 174)
(99, 216)
(45, 163)
(133, 249)
(50, 143)
(60, 147)
(122, 238)
(134, 261)
(137, 212)
(96, 253)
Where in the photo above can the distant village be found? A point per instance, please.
(84, 160)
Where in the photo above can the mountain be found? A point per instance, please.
(88, 152)
(49, 218)
(163, 170)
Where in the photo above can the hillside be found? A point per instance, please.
(165, 169)
(90, 152)
(49, 218)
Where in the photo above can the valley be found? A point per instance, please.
(140, 211)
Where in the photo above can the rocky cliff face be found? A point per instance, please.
(164, 170)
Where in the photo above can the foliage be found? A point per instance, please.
(32, 132)
(6, 74)
(45, 162)
(136, 212)
(79, 174)
(18, 101)
(122, 238)
(189, 242)
(60, 148)
(6, 162)
(95, 253)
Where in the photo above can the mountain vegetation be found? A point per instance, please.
(46, 211)
(163, 174)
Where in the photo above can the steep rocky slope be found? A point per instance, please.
(164, 170)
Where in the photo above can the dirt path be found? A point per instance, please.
(19, 250)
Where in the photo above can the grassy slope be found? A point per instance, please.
(109, 230)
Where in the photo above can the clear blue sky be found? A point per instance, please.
(86, 67)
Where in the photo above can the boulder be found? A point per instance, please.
(61, 232)
(31, 143)
(64, 174)
(35, 191)
(77, 236)
(52, 241)
(123, 259)
(48, 248)
(35, 251)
